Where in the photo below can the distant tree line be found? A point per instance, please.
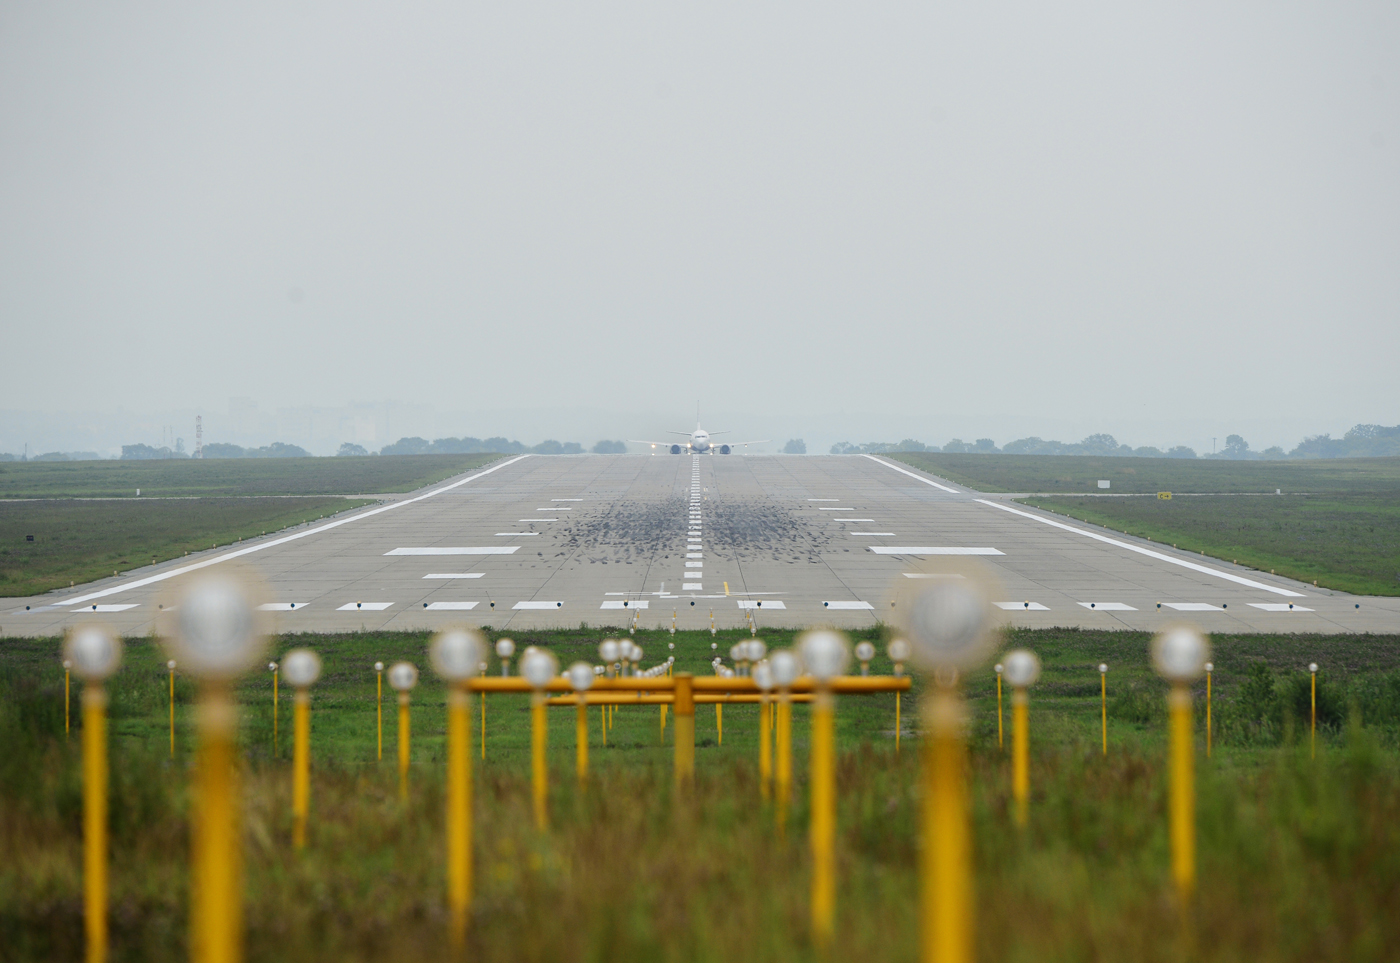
(472, 446)
(1363, 441)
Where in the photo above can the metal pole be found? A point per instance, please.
(95, 820)
(685, 730)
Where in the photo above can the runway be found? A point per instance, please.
(549, 541)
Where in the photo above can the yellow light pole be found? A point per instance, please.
(539, 667)
(455, 654)
(216, 638)
(94, 652)
(684, 701)
(763, 678)
(826, 655)
(379, 708)
(948, 626)
(1001, 743)
(170, 666)
(1312, 670)
(505, 648)
(302, 667)
(609, 650)
(1180, 656)
(67, 686)
(1210, 671)
(403, 676)
(899, 652)
(272, 667)
(786, 667)
(1103, 703)
(1022, 669)
(581, 678)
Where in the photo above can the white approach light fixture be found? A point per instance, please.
(301, 668)
(538, 667)
(1022, 668)
(403, 676)
(217, 635)
(947, 625)
(865, 651)
(581, 676)
(456, 653)
(786, 668)
(1180, 654)
(93, 652)
(898, 652)
(825, 653)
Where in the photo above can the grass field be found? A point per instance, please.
(231, 476)
(1350, 543)
(1299, 858)
(1063, 473)
(80, 541)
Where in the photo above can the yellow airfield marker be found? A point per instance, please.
(539, 667)
(1103, 703)
(67, 674)
(403, 676)
(217, 637)
(1022, 670)
(1001, 743)
(302, 667)
(947, 625)
(1312, 670)
(898, 652)
(581, 678)
(170, 665)
(455, 655)
(1210, 670)
(826, 655)
(94, 652)
(786, 667)
(1180, 656)
(379, 707)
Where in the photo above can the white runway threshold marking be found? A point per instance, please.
(1108, 606)
(692, 587)
(1022, 606)
(847, 605)
(454, 575)
(273, 543)
(538, 605)
(281, 606)
(1203, 569)
(1194, 606)
(758, 604)
(449, 606)
(1278, 607)
(122, 607)
(364, 606)
(629, 604)
(458, 550)
(930, 550)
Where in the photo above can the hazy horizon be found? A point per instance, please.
(838, 224)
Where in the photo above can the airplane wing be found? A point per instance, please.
(736, 444)
(664, 444)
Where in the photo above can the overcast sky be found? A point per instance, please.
(1151, 219)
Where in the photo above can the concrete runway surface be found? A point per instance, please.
(549, 541)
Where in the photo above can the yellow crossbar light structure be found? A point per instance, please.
(94, 652)
(301, 668)
(1180, 656)
(1022, 670)
(403, 676)
(948, 625)
(455, 655)
(216, 637)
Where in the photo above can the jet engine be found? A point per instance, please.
(675, 449)
(724, 449)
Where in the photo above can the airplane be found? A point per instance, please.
(699, 441)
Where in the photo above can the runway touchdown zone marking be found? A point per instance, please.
(758, 604)
(1278, 607)
(629, 604)
(450, 606)
(281, 606)
(538, 605)
(364, 606)
(1108, 606)
(455, 575)
(847, 605)
(1022, 606)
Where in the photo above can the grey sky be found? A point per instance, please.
(1165, 221)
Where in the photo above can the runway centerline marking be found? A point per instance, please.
(454, 575)
(228, 556)
(1203, 569)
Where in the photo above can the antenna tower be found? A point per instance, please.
(199, 436)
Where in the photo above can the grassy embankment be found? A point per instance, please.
(88, 522)
(1337, 522)
(1299, 859)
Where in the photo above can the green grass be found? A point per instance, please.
(1063, 473)
(1350, 543)
(1299, 860)
(79, 541)
(232, 476)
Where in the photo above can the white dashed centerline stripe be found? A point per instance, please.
(263, 546)
(1203, 569)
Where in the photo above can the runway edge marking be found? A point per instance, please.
(1205, 570)
(152, 579)
(916, 477)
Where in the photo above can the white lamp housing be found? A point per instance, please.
(947, 625)
(301, 668)
(865, 651)
(170, 665)
(216, 634)
(1022, 668)
(455, 653)
(379, 667)
(899, 651)
(825, 653)
(403, 676)
(755, 649)
(786, 666)
(505, 648)
(1103, 668)
(538, 667)
(1180, 654)
(581, 676)
(94, 652)
(763, 675)
(1312, 666)
(608, 650)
